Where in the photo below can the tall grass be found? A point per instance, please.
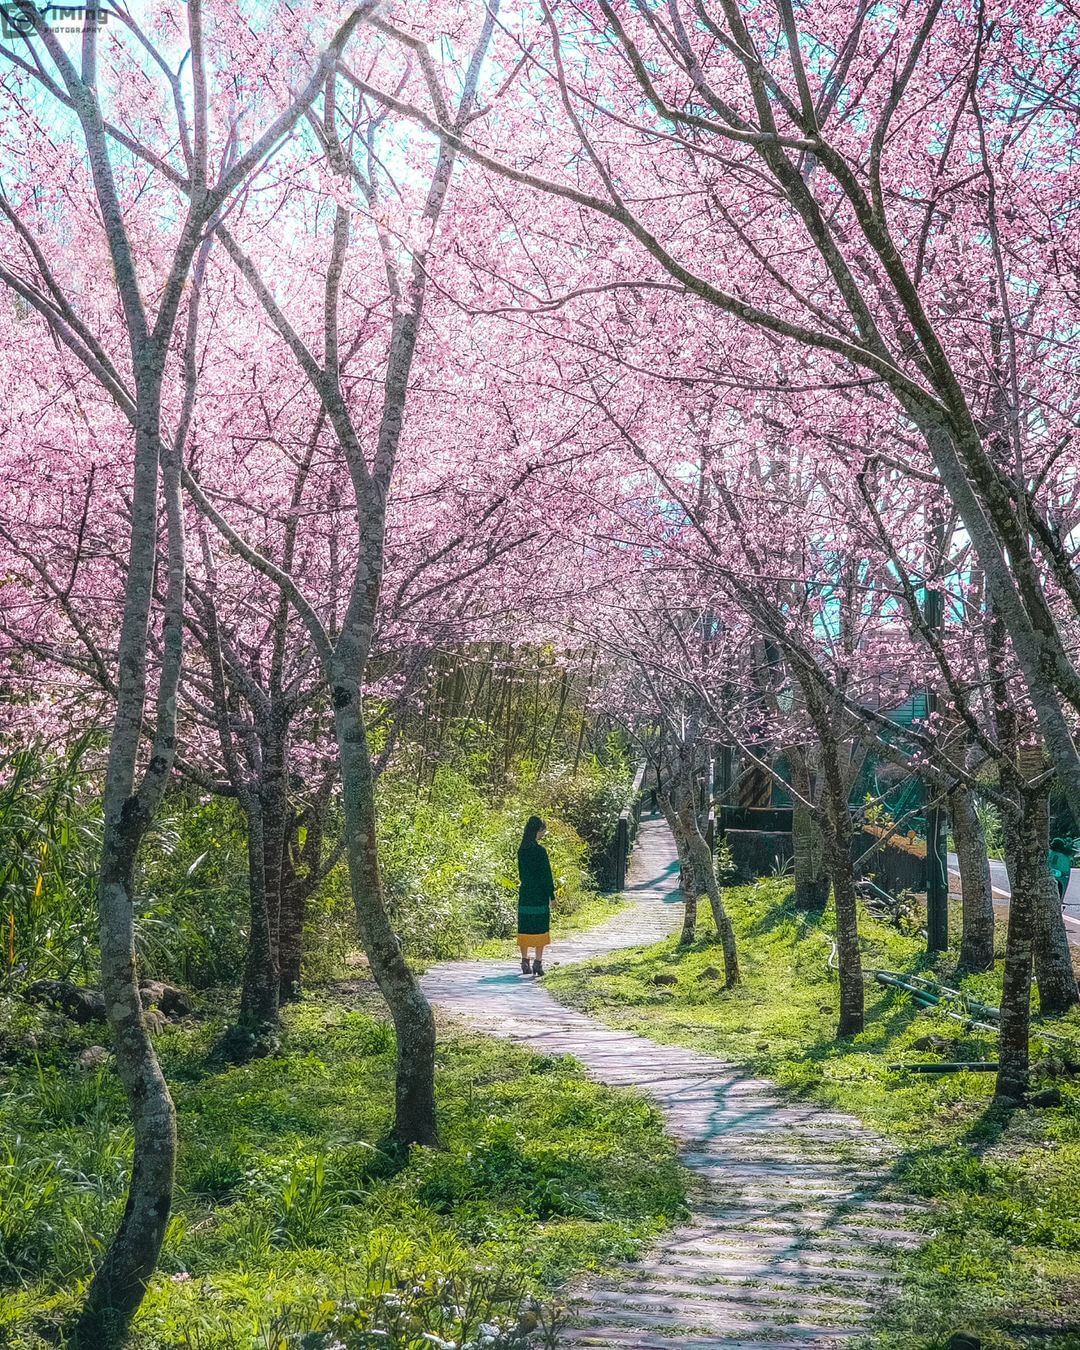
(50, 832)
(192, 882)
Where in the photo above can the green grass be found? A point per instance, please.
(1002, 1191)
(293, 1217)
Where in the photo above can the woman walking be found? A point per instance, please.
(535, 896)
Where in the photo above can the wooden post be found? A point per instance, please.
(622, 850)
(636, 803)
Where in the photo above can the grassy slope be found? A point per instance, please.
(1003, 1251)
(290, 1217)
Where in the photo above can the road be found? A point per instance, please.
(999, 880)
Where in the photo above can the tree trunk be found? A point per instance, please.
(703, 872)
(688, 882)
(1053, 958)
(414, 1118)
(700, 873)
(811, 877)
(977, 939)
(1049, 939)
(688, 932)
(1028, 846)
(301, 868)
(835, 790)
(120, 1281)
(849, 960)
(259, 992)
(702, 858)
(293, 912)
(275, 816)
(808, 845)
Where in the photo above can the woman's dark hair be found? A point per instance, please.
(533, 826)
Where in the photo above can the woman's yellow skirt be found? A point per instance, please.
(537, 940)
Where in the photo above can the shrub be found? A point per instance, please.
(192, 888)
(591, 800)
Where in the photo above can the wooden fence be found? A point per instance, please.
(615, 864)
(761, 845)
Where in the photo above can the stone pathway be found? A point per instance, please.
(792, 1226)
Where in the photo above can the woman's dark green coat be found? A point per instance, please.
(537, 889)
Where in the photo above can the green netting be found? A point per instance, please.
(906, 794)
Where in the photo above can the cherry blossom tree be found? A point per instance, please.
(209, 157)
(675, 658)
(889, 189)
(267, 460)
(357, 150)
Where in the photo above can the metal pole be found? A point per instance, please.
(937, 882)
(937, 862)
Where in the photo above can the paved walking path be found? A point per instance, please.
(1001, 887)
(792, 1226)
